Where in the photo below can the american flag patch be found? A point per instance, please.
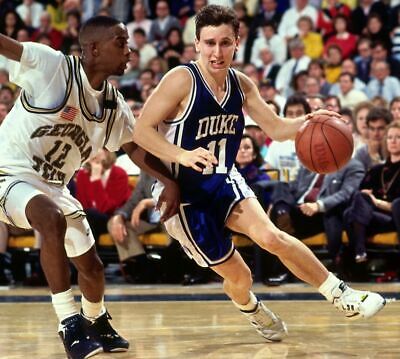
(69, 113)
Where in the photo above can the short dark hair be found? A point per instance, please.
(216, 15)
(95, 23)
(379, 113)
(297, 99)
(139, 31)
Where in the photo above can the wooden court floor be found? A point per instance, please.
(204, 328)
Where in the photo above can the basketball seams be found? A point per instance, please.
(328, 144)
(314, 125)
(351, 144)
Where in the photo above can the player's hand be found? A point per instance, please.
(373, 198)
(118, 228)
(137, 212)
(198, 159)
(322, 112)
(169, 201)
(309, 209)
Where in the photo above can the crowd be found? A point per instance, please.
(303, 55)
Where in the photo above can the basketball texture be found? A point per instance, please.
(324, 144)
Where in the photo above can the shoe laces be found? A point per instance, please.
(347, 299)
(262, 317)
(104, 327)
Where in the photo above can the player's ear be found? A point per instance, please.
(196, 45)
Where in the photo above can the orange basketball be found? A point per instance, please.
(324, 144)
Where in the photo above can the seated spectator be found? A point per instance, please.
(267, 12)
(312, 86)
(147, 51)
(316, 102)
(140, 20)
(349, 66)
(132, 71)
(189, 34)
(71, 31)
(312, 40)
(377, 31)
(342, 37)
(373, 153)
(135, 217)
(30, 12)
(101, 187)
(4, 109)
(380, 52)
(376, 207)
(159, 67)
(245, 45)
(360, 134)
(359, 15)
(314, 203)
(282, 155)
(45, 28)
(382, 84)
(363, 59)
(173, 48)
(269, 93)
(333, 65)
(189, 54)
(298, 83)
(394, 108)
(249, 163)
(348, 95)
(326, 15)
(11, 23)
(316, 70)
(380, 101)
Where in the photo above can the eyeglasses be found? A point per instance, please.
(377, 129)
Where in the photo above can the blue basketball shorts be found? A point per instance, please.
(200, 227)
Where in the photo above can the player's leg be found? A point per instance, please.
(249, 218)
(237, 285)
(26, 205)
(79, 244)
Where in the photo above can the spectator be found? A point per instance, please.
(159, 67)
(3, 111)
(360, 14)
(282, 155)
(342, 37)
(173, 49)
(298, 62)
(348, 95)
(363, 59)
(299, 82)
(11, 23)
(30, 12)
(7, 95)
(132, 71)
(189, 34)
(316, 102)
(349, 66)
(269, 38)
(312, 41)
(382, 84)
(244, 49)
(71, 32)
(373, 153)
(332, 103)
(333, 66)
(381, 53)
(162, 24)
(376, 207)
(189, 54)
(45, 28)
(139, 21)
(328, 13)
(269, 93)
(360, 133)
(395, 108)
(147, 51)
(268, 12)
(316, 70)
(135, 217)
(268, 69)
(288, 26)
(376, 30)
(101, 187)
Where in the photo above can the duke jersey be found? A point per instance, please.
(59, 120)
(216, 126)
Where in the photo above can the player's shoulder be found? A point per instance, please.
(176, 82)
(245, 82)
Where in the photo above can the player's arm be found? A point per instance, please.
(10, 48)
(166, 102)
(154, 167)
(276, 127)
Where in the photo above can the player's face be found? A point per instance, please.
(114, 51)
(393, 141)
(217, 45)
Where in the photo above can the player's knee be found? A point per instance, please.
(273, 241)
(242, 278)
(51, 224)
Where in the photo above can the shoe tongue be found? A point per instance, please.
(70, 320)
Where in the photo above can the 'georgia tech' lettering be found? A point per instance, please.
(73, 131)
(216, 125)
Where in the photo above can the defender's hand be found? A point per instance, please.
(169, 200)
(198, 159)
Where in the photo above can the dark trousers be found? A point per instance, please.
(97, 221)
(363, 219)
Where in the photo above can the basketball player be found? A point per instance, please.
(66, 112)
(193, 121)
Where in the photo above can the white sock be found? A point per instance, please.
(64, 304)
(251, 305)
(92, 310)
(328, 286)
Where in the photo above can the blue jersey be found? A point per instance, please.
(206, 123)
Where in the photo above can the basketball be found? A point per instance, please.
(324, 144)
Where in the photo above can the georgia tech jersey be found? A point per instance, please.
(216, 126)
(59, 120)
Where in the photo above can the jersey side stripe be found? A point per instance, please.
(191, 100)
(111, 118)
(33, 109)
(3, 201)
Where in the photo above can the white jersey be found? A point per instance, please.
(59, 120)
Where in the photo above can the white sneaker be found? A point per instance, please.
(267, 324)
(357, 303)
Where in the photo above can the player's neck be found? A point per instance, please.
(95, 78)
(215, 80)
